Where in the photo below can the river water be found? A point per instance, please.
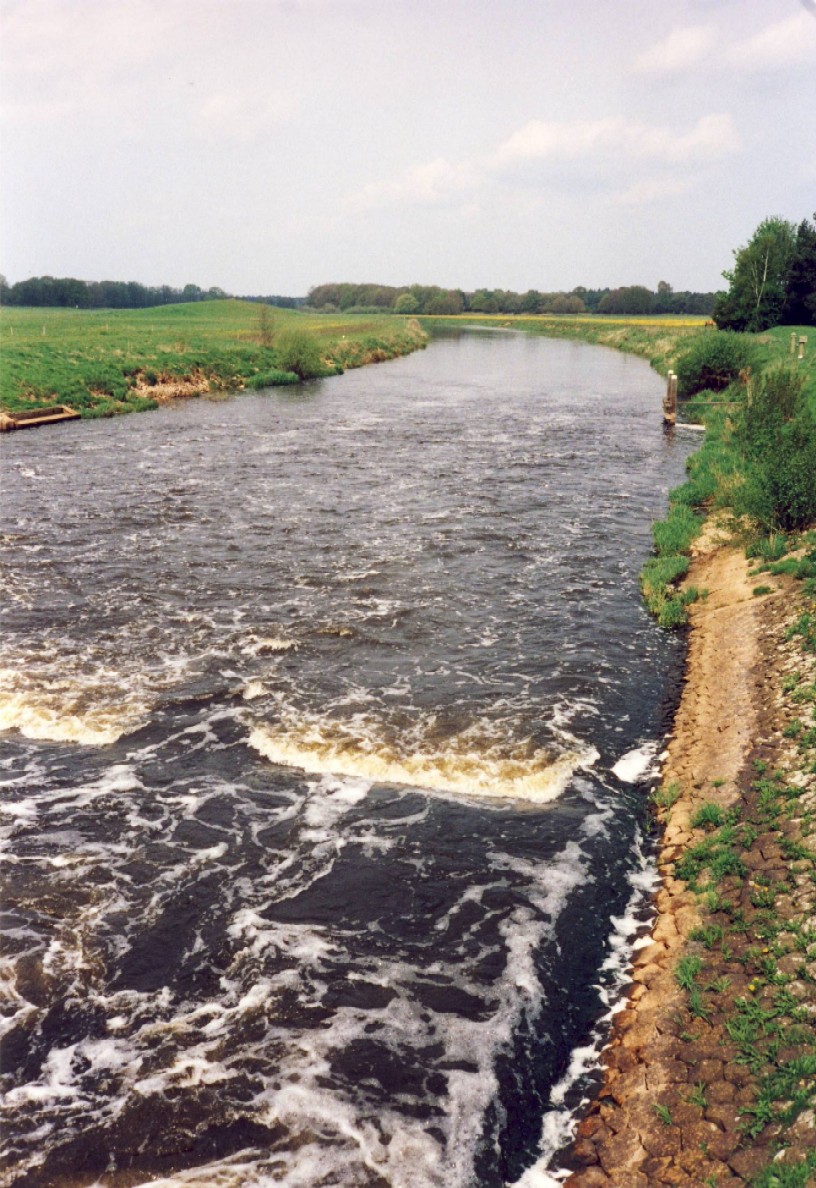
(326, 721)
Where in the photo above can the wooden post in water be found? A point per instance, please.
(670, 400)
(793, 343)
(802, 342)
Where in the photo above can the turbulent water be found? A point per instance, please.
(325, 719)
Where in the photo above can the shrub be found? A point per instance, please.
(299, 352)
(779, 444)
(713, 361)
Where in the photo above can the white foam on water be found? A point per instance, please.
(638, 764)
(57, 708)
(467, 764)
(259, 645)
(627, 935)
(355, 1142)
(56, 1080)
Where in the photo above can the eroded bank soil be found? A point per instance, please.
(724, 996)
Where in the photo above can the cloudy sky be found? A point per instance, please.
(266, 146)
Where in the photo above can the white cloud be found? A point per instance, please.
(682, 49)
(791, 42)
(711, 137)
(597, 146)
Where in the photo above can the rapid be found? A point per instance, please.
(327, 725)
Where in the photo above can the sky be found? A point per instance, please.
(266, 146)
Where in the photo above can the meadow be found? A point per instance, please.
(106, 362)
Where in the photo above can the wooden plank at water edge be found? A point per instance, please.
(37, 416)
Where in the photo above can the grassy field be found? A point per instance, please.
(106, 362)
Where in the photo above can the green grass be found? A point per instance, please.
(688, 967)
(666, 796)
(663, 1114)
(105, 362)
(709, 814)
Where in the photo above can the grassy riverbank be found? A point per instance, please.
(114, 361)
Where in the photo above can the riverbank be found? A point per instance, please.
(710, 1073)
(104, 363)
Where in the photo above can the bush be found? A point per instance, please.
(714, 360)
(299, 352)
(779, 442)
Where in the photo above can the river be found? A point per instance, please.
(328, 718)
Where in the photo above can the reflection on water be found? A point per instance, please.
(324, 719)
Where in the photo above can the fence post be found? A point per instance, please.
(670, 400)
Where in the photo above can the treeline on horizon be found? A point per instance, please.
(432, 300)
(69, 293)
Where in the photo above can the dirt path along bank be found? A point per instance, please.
(710, 1074)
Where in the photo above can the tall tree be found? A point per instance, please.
(757, 282)
(800, 291)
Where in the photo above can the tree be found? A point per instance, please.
(631, 299)
(800, 290)
(567, 303)
(758, 280)
(663, 301)
(483, 301)
(406, 303)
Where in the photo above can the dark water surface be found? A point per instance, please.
(317, 867)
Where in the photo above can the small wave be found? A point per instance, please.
(263, 645)
(464, 765)
(60, 713)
